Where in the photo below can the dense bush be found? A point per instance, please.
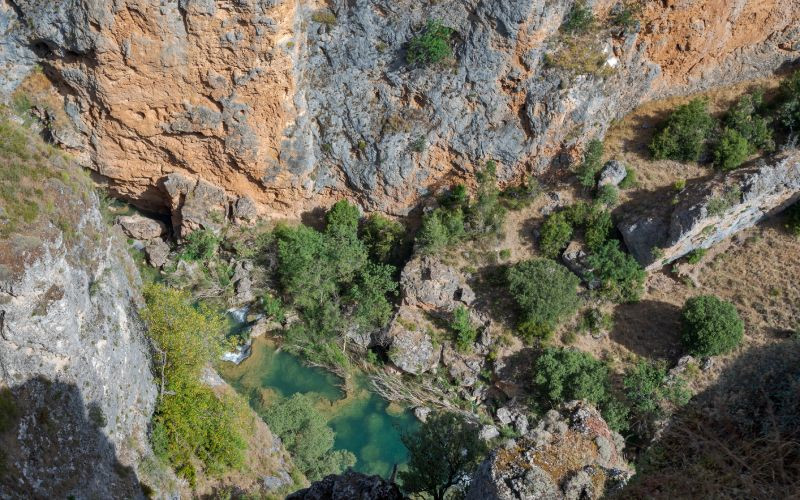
(744, 117)
(463, 328)
(191, 423)
(651, 394)
(431, 46)
(591, 164)
(522, 195)
(621, 277)
(710, 326)
(486, 215)
(683, 135)
(444, 450)
(564, 374)
(789, 107)
(332, 282)
(554, 235)
(598, 226)
(579, 20)
(200, 245)
(731, 150)
(441, 228)
(608, 195)
(545, 291)
(383, 238)
(306, 435)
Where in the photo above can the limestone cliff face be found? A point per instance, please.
(72, 350)
(294, 104)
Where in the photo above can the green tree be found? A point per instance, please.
(744, 118)
(487, 215)
(649, 391)
(555, 235)
(591, 164)
(598, 226)
(463, 328)
(731, 150)
(562, 375)
(343, 218)
(683, 135)
(608, 195)
(308, 438)
(443, 451)
(199, 245)
(431, 46)
(710, 326)
(383, 238)
(789, 99)
(622, 278)
(441, 228)
(545, 291)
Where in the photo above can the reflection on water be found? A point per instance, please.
(364, 423)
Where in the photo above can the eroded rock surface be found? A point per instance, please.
(294, 109)
(711, 211)
(570, 454)
(347, 486)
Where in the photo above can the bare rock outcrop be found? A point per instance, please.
(274, 101)
(141, 228)
(712, 211)
(347, 486)
(570, 454)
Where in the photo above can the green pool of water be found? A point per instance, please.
(364, 423)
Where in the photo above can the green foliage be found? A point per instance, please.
(564, 374)
(333, 284)
(793, 219)
(431, 46)
(324, 16)
(591, 164)
(465, 332)
(96, 416)
(789, 99)
(545, 291)
(383, 238)
(608, 195)
(650, 393)
(457, 197)
(696, 255)
(731, 150)
(710, 326)
(200, 245)
(191, 423)
(555, 235)
(532, 332)
(598, 226)
(440, 229)
(8, 410)
(621, 276)
(625, 15)
(719, 204)
(744, 118)
(487, 215)
(683, 135)
(441, 452)
(273, 308)
(579, 20)
(595, 321)
(630, 179)
(522, 195)
(308, 438)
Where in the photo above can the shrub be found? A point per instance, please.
(463, 328)
(565, 374)
(342, 218)
(595, 321)
(710, 326)
(622, 278)
(383, 238)
(598, 226)
(486, 215)
(457, 197)
(624, 16)
(719, 204)
(545, 291)
(743, 117)
(591, 164)
(579, 57)
(630, 179)
(579, 20)
(200, 245)
(696, 255)
(650, 392)
(555, 235)
(789, 107)
(683, 134)
(431, 46)
(444, 450)
(521, 196)
(273, 308)
(324, 16)
(608, 195)
(731, 150)
(440, 229)
(793, 219)
(308, 438)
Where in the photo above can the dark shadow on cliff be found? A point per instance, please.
(649, 328)
(738, 439)
(52, 446)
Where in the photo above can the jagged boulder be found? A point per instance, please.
(141, 228)
(570, 454)
(157, 251)
(408, 341)
(613, 173)
(349, 486)
(712, 211)
(575, 258)
(430, 284)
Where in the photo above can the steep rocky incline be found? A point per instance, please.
(712, 210)
(295, 104)
(72, 349)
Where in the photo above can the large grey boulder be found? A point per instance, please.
(139, 227)
(612, 174)
(408, 342)
(430, 284)
(349, 486)
(711, 211)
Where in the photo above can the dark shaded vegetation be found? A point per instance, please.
(431, 46)
(710, 326)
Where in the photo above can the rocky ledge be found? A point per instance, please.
(348, 486)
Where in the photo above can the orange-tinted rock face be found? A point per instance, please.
(270, 100)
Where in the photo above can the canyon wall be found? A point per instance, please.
(296, 104)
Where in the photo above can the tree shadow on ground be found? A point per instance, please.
(52, 446)
(649, 328)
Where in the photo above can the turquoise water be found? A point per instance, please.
(364, 423)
